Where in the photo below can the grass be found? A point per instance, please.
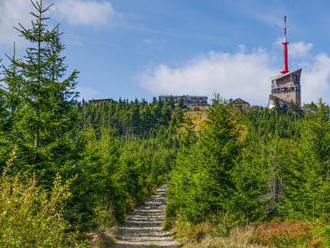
(153, 245)
(290, 234)
(272, 234)
(198, 118)
(213, 236)
(103, 238)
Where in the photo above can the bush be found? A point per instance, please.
(30, 216)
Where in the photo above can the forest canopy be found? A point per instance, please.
(70, 167)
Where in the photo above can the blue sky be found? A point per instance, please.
(146, 48)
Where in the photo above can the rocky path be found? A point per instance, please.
(143, 227)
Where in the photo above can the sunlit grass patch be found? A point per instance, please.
(213, 236)
(288, 233)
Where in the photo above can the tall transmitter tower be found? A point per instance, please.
(285, 87)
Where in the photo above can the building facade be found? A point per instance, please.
(240, 103)
(286, 87)
(187, 100)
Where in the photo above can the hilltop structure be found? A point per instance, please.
(189, 101)
(285, 88)
(98, 101)
(241, 103)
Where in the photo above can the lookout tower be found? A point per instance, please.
(285, 87)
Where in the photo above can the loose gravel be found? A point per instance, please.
(143, 227)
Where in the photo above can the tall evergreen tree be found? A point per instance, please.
(306, 173)
(207, 181)
(218, 150)
(180, 178)
(9, 101)
(40, 100)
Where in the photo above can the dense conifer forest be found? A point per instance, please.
(70, 167)
(267, 167)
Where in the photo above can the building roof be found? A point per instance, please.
(240, 101)
(286, 74)
(101, 100)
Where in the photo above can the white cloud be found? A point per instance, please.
(300, 49)
(316, 78)
(244, 75)
(88, 12)
(241, 74)
(87, 93)
(75, 12)
(11, 13)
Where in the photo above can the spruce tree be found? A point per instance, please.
(9, 102)
(305, 172)
(41, 101)
(180, 178)
(209, 190)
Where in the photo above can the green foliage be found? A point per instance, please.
(179, 183)
(31, 216)
(118, 152)
(131, 119)
(305, 172)
(252, 164)
(244, 165)
(40, 101)
(120, 161)
(202, 184)
(4, 126)
(250, 177)
(3, 111)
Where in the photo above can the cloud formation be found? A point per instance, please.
(75, 12)
(241, 74)
(299, 49)
(11, 13)
(88, 12)
(87, 93)
(316, 79)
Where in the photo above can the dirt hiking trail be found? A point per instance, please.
(143, 227)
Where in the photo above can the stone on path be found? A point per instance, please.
(143, 227)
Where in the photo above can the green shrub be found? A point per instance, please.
(30, 216)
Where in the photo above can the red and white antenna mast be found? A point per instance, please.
(285, 50)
